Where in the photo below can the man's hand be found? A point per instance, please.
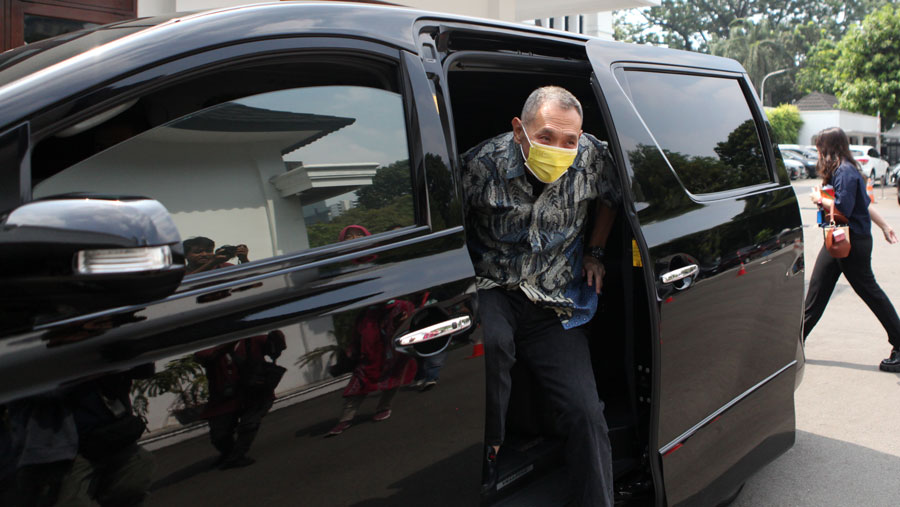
(593, 270)
(889, 235)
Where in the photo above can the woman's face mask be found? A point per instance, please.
(547, 163)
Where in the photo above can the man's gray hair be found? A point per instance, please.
(556, 94)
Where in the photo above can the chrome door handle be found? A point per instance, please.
(435, 331)
(680, 274)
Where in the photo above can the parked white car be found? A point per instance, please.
(873, 166)
(793, 163)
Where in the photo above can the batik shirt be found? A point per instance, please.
(519, 241)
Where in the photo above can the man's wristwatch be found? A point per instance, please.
(595, 252)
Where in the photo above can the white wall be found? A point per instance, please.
(852, 123)
(197, 183)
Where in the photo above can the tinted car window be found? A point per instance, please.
(704, 127)
(277, 172)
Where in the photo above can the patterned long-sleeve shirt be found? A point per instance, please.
(535, 243)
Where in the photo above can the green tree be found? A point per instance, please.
(389, 182)
(792, 29)
(786, 122)
(691, 24)
(760, 47)
(817, 75)
(387, 202)
(867, 70)
(398, 212)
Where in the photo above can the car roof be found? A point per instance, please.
(88, 58)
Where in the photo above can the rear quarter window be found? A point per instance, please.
(704, 127)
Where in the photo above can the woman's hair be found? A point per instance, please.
(834, 149)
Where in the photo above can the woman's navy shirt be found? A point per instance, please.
(851, 198)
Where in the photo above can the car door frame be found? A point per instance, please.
(608, 89)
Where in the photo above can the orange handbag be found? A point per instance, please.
(837, 237)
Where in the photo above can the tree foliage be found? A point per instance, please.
(786, 122)
(760, 47)
(816, 75)
(389, 182)
(867, 70)
(387, 202)
(763, 35)
(691, 24)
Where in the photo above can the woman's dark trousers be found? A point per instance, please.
(857, 268)
(515, 329)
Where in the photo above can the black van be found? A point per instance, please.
(320, 143)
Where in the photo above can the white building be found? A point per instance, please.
(819, 111)
(590, 17)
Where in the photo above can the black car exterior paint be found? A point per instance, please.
(722, 381)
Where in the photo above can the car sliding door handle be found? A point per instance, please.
(442, 330)
(680, 274)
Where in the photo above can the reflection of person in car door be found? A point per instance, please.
(201, 255)
(378, 367)
(241, 392)
(527, 194)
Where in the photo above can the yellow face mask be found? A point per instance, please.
(547, 163)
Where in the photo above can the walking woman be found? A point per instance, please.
(838, 168)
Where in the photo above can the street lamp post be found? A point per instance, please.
(762, 86)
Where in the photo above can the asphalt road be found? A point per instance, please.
(847, 451)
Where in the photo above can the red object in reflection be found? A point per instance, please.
(477, 350)
(742, 271)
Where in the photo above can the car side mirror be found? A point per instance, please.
(88, 252)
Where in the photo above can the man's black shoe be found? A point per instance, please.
(489, 471)
(891, 364)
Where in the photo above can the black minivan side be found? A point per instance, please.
(187, 200)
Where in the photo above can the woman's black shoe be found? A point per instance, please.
(891, 364)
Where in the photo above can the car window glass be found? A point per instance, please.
(266, 174)
(704, 126)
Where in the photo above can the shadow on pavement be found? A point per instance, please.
(823, 471)
(843, 364)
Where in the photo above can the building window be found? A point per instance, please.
(34, 20)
